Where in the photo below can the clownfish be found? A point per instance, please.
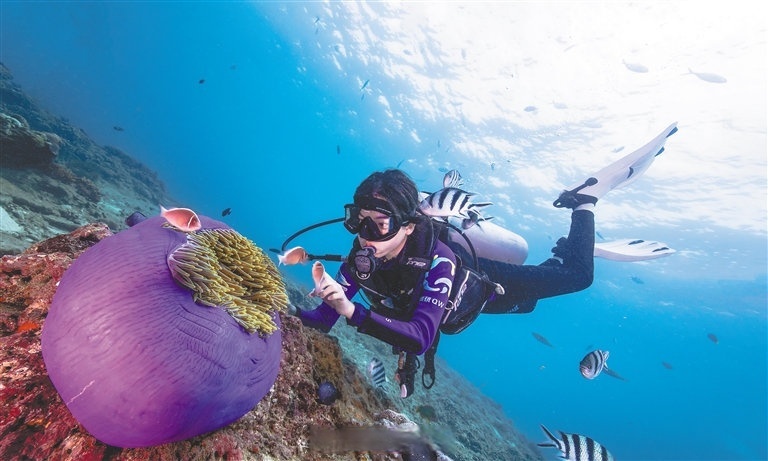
(296, 255)
(182, 219)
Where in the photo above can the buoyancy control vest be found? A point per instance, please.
(393, 289)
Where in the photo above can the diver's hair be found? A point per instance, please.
(394, 186)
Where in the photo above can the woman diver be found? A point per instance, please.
(408, 274)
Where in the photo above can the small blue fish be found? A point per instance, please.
(542, 339)
(327, 393)
(135, 218)
(365, 84)
(377, 373)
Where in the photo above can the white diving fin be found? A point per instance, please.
(631, 250)
(626, 170)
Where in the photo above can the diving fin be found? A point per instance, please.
(622, 172)
(631, 250)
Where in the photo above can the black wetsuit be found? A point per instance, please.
(525, 284)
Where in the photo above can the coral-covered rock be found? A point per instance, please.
(45, 194)
(23, 147)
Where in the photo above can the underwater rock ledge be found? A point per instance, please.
(54, 178)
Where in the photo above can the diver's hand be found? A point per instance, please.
(330, 291)
(333, 295)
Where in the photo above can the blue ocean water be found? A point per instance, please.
(270, 109)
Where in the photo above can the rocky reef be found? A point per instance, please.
(54, 178)
(40, 196)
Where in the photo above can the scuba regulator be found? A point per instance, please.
(365, 263)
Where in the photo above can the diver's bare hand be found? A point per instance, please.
(333, 295)
(330, 291)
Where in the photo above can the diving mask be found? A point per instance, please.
(377, 229)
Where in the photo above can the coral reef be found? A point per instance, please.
(465, 424)
(54, 178)
(23, 147)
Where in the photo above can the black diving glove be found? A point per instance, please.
(405, 376)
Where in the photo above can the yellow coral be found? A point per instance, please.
(225, 269)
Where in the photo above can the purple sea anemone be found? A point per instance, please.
(142, 359)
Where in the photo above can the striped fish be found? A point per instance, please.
(453, 179)
(474, 218)
(593, 364)
(576, 447)
(448, 202)
(376, 373)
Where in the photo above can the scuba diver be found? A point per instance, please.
(423, 275)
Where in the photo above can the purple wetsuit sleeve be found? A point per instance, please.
(324, 317)
(417, 334)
